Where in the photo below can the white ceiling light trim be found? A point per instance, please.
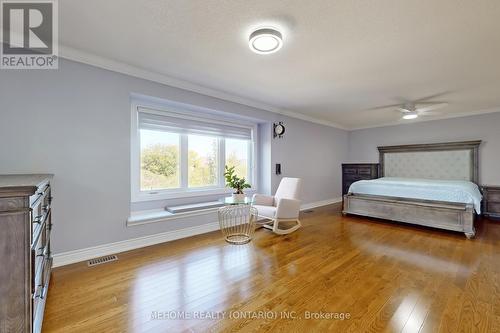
(265, 41)
(410, 115)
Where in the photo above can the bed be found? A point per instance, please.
(434, 185)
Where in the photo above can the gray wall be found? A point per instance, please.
(75, 122)
(306, 150)
(363, 143)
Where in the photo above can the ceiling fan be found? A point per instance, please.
(412, 110)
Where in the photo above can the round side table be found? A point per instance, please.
(237, 220)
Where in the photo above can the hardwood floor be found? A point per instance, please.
(385, 277)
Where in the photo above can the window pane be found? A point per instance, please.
(202, 161)
(159, 160)
(237, 155)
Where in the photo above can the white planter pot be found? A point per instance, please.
(238, 197)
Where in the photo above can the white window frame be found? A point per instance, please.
(157, 106)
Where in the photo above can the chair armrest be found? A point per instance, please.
(263, 200)
(288, 209)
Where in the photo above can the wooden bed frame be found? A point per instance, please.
(436, 214)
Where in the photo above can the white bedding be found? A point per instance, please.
(426, 189)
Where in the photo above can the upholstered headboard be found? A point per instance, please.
(450, 161)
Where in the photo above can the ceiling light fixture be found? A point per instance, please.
(265, 41)
(410, 115)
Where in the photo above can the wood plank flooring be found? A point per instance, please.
(385, 277)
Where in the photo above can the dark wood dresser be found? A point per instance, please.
(25, 258)
(491, 201)
(352, 172)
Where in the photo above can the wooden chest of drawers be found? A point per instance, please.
(25, 256)
(357, 171)
(491, 201)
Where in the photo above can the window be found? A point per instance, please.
(237, 152)
(179, 154)
(159, 160)
(202, 160)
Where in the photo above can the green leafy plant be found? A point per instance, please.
(235, 182)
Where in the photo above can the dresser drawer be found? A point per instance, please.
(353, 172)
(493, 196)
(493, 207)
(40, 202)
(365, 171)
(37, 285)
(40, 296)
(41, 192)
(350, 171)
(25, 206)
(360, 171)
(352, 178)
(39, 218)
(39, 256)
(357, 177)
(39, 244)
(36, 221)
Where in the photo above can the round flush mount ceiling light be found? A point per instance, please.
(265, 40)
(410, 115)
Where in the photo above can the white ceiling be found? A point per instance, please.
(339, 60)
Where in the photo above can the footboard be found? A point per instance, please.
(436, 214)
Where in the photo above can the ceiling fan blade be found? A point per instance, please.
(383, 107)
(400, 109)
(430, 113)
(423, 99)
(432, 107)
(430, 103)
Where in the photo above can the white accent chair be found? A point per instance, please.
(284, 206)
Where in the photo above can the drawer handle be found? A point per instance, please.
(45, 208)
(39, 291)
(38, 219)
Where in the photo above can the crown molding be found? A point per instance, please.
(80, 56)
(94, 60)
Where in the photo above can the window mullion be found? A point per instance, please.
(250, 165)
(184, 161)
(222, 162)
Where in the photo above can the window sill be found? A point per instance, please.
(186, 194)
(160, 215)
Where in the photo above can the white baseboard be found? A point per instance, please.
(320, 203)
(72, 257)
(75, 256)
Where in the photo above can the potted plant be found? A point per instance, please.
(236, 183)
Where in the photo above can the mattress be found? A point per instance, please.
(426, 189)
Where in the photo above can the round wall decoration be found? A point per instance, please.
(278, 129)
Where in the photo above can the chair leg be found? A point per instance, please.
(279, 231)
(264, 222)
